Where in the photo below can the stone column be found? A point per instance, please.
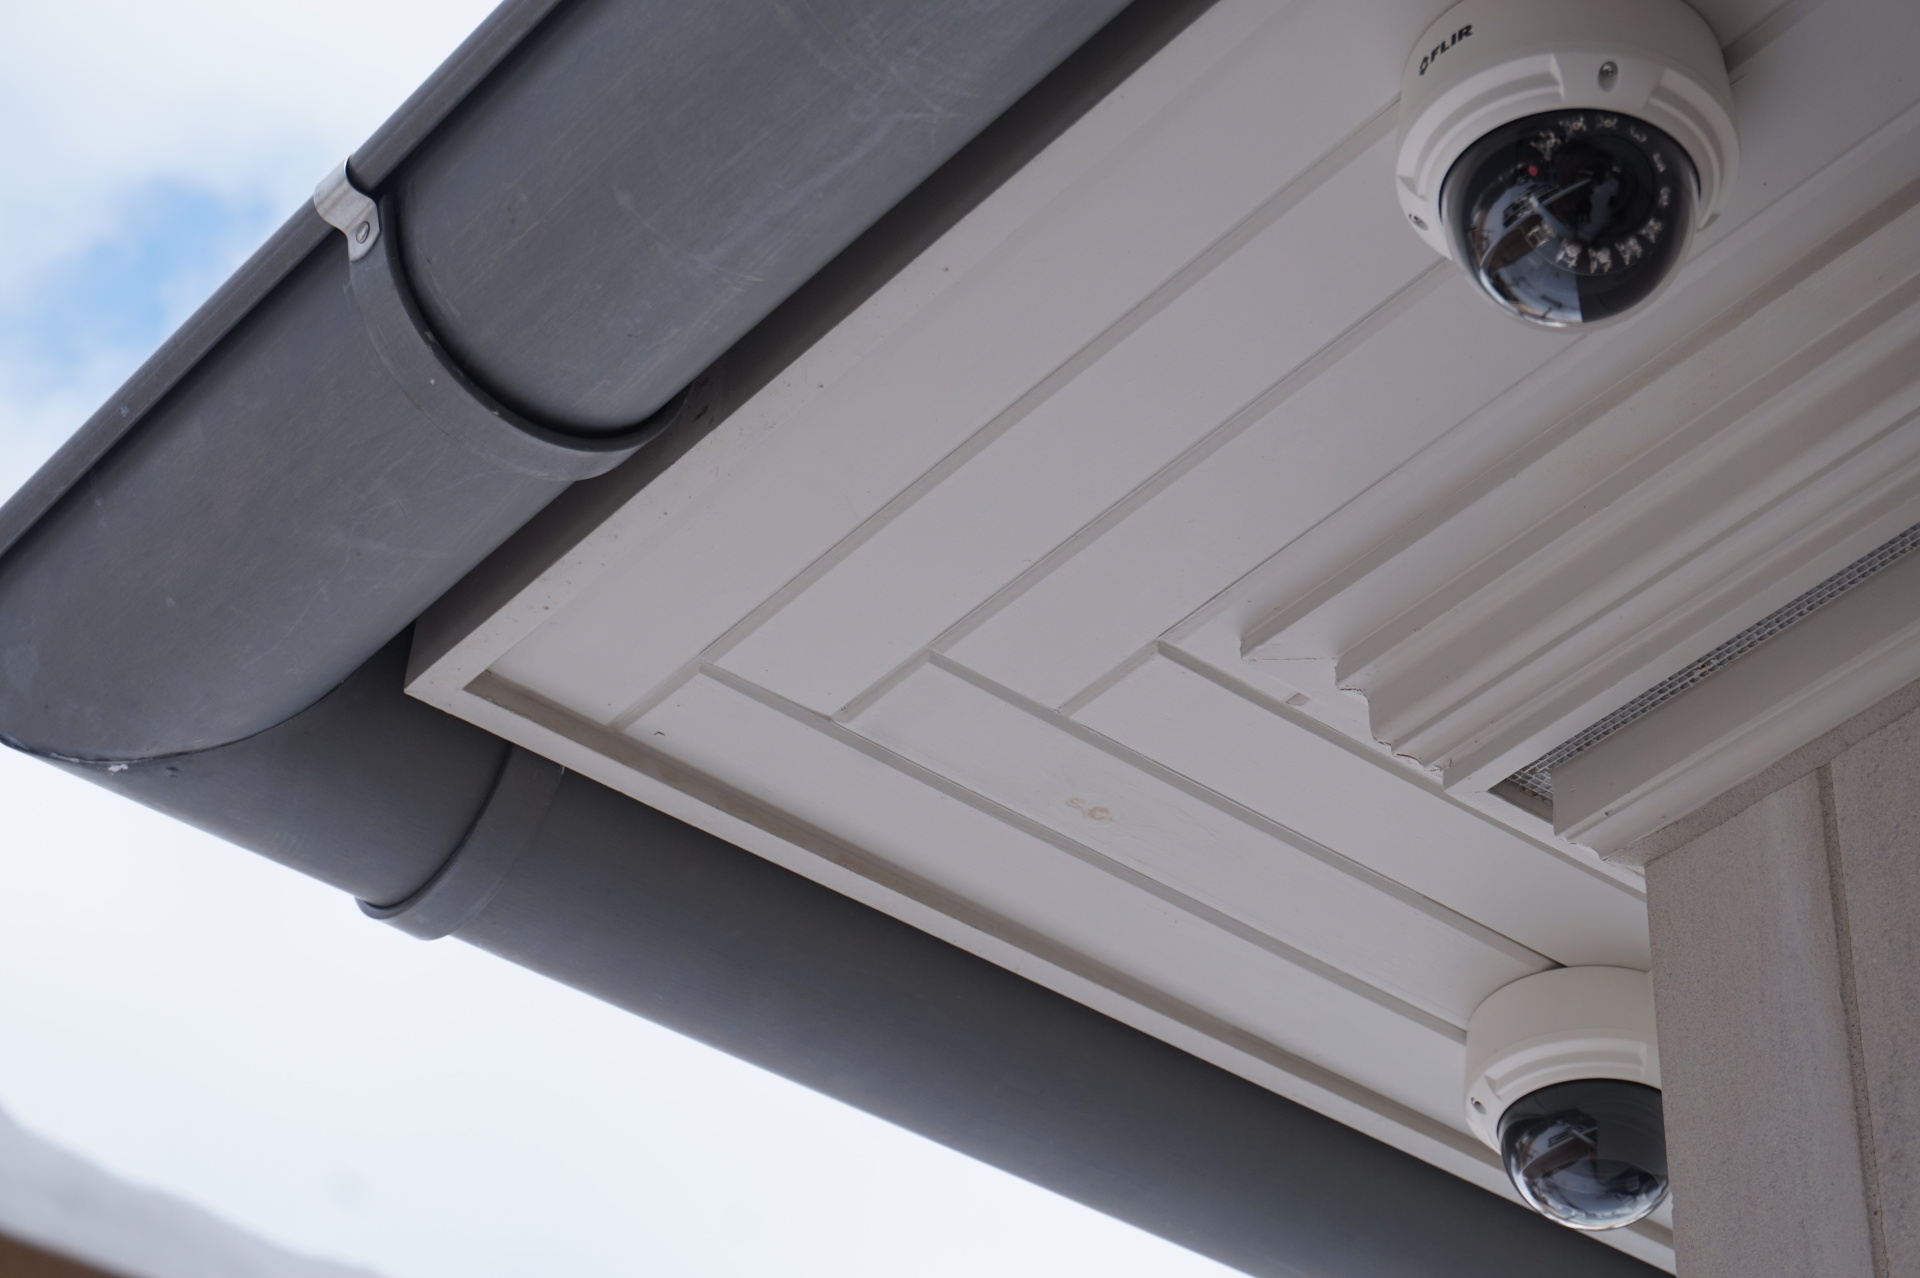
(1786, 951)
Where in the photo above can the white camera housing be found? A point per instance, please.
(1487, 63)
(1572, 1024)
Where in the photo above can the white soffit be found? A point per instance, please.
(1059, 599)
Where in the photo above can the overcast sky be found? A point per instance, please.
(204, 1022)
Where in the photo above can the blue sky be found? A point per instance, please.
(117, 295)
(84, 319)
(202, 1021)
(76, 325)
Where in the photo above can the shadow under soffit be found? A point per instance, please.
(198, 598)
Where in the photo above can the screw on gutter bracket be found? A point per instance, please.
(350, 210)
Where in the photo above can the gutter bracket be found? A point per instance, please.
(350, 210)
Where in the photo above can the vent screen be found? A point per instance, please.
(1536, 779)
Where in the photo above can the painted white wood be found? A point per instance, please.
(1199, 525)
(1211, 350)
(1276, 880)
(1155, 98)
(1265, 757)
(1475, 597)
(625, 764)
(1795, 458)
(1182, 388)
(1821, 672)
(958, 843)
(1104, 253)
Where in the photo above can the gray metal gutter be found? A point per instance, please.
(605, 224)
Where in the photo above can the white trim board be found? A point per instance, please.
(620, 762)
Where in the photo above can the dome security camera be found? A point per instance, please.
(1563, 1079)
(1564, 151)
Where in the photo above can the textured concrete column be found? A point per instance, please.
(1786, 947)
(1875, 807)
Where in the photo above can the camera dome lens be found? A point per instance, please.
(1591, 1154)
(1571, 217)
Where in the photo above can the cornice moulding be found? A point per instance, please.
(1838, 662)
(1619, 531)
